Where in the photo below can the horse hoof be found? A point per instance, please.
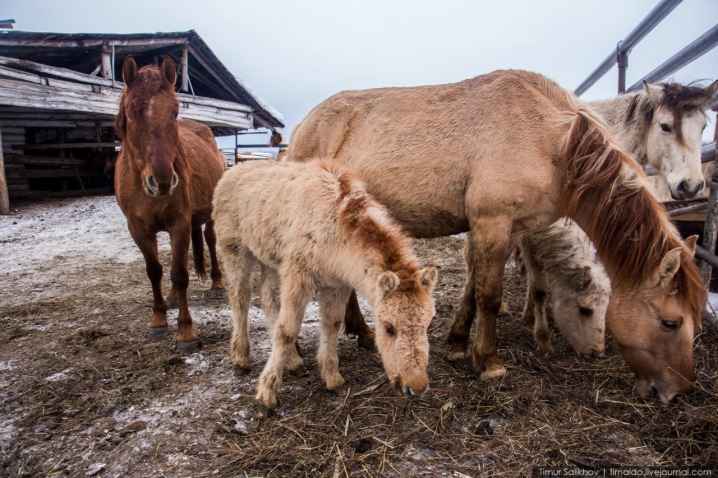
(265, 412)
(241, 371)
(366, 343)
(158, 333)
(300, 371)
(496, 371)
(172, 303)
(217, 293)
(340, 391)
(188, 347)
(503, 310)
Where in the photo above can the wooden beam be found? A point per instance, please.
(93, 43)
(45, 160)
(4, 196)
(185, 68)
(55, 71)
(67, 145)
(51, 173)
(107, 61)
(19, 75)
(51, 123)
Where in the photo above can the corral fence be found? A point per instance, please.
(700, 46)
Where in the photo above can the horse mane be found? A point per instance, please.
(362, 218)
(629, 227)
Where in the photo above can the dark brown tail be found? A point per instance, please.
(200, 267)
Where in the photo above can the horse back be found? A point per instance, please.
(427, 153)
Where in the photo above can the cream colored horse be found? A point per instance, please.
(313, 227)
(504, 153)
(559, 259)
(660, 125)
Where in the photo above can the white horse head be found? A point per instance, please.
(675, 118)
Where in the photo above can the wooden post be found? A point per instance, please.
(709, 240)
(106, 61)
(4, 198)
(185, 69)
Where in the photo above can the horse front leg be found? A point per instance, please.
(297, 289)
(534, 314)
(217, 291)
(332, 303)
(187, 340)
(355, 324)
(458, 337)
(147, 243)
(490, 244)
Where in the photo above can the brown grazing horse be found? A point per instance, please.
(507, 152)
(164, 180)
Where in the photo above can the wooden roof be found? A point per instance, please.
(57, 74)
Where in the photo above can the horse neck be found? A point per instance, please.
(630, 132)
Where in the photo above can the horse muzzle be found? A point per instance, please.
(156, 188)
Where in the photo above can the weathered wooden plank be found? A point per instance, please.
(69, 85)
(92, 43)
(13, 88)
(19, 75)
(55, 71)
(204, 101)
(45, 160)
(4, 196)
(51, 173)
(53, 123)
(68, 145)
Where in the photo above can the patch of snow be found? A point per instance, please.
(59, 376)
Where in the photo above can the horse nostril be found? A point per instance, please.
(409, 392)
(683, 186)
(151, 183)
(175, 180)
(652, 393)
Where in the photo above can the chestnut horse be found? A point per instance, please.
(504, 153)
(165, 175)
(313, 227)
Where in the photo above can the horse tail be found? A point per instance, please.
(200, 266)
(603, 189)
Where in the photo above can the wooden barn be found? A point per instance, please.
(59, 94)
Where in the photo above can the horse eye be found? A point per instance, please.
(175, 115)
(665, 128)
(669, 325)
(390, 330)
(585, 311)
(704, 127)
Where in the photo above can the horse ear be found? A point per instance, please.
(168, 70)
(129, 70)
(584, 277)
(712, 89)
(690, 244)
(427, 277)
(669, 266)
(655, 93)
(388, 282)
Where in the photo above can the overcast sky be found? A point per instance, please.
(295, 54)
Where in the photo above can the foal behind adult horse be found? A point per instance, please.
(518, 152)
(164, 180)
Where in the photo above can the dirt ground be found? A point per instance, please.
(84, 392)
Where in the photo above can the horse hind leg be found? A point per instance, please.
(354, 324)
(238, 261)
(458, 337)
(269, 299)
(217, 291)
(534, 313)
(297, 290)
